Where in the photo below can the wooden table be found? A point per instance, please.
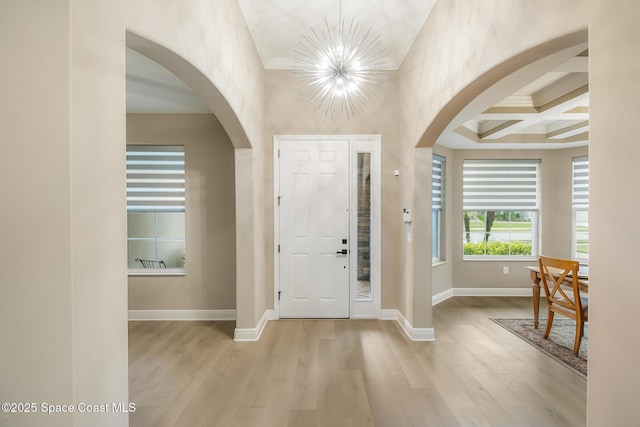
(583, 284)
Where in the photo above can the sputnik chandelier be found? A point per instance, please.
(340, 67)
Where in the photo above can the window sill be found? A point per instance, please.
(156, 272)
(438, 263)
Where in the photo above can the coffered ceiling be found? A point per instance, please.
(550, 112)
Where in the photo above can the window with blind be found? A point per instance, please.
(580, 202)
(155, 207)
(437, 202)
(501, 203)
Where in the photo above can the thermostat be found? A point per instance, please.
(406, 215)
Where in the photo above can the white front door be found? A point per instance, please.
(314, 228)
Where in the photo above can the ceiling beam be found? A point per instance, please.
(576, 98)
(568, 131)
(536, 138)
(562, 87)
(506, 128)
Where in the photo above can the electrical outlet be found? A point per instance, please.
(505, 270)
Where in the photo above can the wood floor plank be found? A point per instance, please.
(305, 387)
(280, 394)
(320, 373)
(303, 418)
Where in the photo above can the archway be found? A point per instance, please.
(483, 92)
(198, 82)
(243, 164)
(501, 81)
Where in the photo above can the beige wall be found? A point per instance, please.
(555, 219)
(462, 41)
(210, 280)
(614, 87)
(62, 267)
(97, 178)
(207, 44)
(288, 114)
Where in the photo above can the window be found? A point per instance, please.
(437, 202)
(155, 207)
(364, 227)
(500, 208)
(580, 202)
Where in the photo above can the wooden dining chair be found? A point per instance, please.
(560, 282)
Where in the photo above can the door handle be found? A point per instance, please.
(342, 252)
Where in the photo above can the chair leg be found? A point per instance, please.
(549, 322)
(579, 331)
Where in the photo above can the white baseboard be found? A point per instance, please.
(253, 334)
(481, 292)
(414, 334)
(442, 296)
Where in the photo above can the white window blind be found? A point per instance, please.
(437, 181)
(580, 193)
(501, 184)
(155, 178)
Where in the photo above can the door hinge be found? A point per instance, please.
(278, 248)
(278, 200)
(279, 292)
(278, 153)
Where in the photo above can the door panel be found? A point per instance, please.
(314, 220)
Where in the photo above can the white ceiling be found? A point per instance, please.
(277, 26)
(550, 112)
(151, 88)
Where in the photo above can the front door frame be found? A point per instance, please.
(361, 309)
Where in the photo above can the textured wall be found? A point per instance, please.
(210, 280)
(613, 160)
(63, 269)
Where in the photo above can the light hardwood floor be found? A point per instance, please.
(352, 373)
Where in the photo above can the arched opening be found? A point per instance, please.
(207, 288)
(501, 81)
(478, 96)
(197, 81)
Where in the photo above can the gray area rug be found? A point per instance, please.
(559, 345)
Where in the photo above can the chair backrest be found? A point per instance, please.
(149, 263)
(560, 282)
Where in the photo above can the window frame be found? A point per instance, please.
(438, 205)
(579, 202)
(531, 200)
(149, 197)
